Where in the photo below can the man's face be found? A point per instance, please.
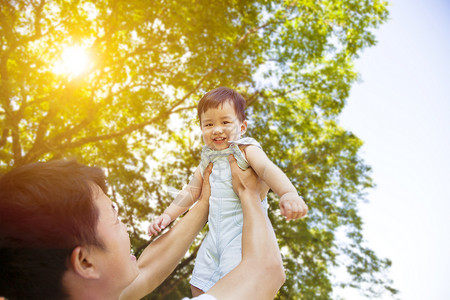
(117, 265)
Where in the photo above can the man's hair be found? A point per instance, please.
(217, 97)
(46, 210)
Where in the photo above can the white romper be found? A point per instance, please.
(221, 250)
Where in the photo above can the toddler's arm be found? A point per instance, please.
(185, 199)
(291, 204)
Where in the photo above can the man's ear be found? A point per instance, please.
(83, 263)
(243, 127)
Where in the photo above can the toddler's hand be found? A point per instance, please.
(158, 224)
(292, 206)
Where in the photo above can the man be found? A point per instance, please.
(60, 237)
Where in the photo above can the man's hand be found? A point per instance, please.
(292, 206)
(206, 187)
(244, 181)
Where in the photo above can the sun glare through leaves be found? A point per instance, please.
(73, 62)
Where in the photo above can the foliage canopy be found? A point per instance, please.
(131, 110)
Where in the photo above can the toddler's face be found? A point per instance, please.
(221, 126)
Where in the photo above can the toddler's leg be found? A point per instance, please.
(196, 291)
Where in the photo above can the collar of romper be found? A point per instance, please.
(214, 155)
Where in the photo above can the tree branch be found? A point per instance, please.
(257, 28)
(37, 25)
(194, 89)
(3, 138)
(253, 98)
(17, 148)
(112, 135)
(42, 129)
(249, 32)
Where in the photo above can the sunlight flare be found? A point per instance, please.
(73, 62)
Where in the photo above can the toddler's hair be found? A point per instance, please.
(217, 97)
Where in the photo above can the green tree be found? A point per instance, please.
(131, 110)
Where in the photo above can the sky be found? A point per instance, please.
(401, 110)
